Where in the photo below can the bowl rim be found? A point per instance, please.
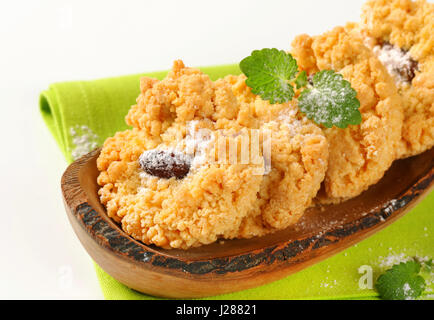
(111, 237)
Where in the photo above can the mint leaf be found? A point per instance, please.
(330, 101)
(401, 282)
(428, 265)
(270, 73)
(301, 80)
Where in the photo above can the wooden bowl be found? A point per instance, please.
(238, 264)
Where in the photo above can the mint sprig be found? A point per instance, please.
(270, 74)
(401, 282)
(429, 266)
(301, 80)
(329, 100)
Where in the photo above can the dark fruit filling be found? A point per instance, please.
(165, 163)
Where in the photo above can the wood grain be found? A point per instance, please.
(238, 264)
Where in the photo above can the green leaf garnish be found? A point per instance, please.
(270, 73)
(301, 80)
(428, 265)
(401, 282)
(330, 101)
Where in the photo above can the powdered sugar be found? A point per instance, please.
(397, 62)
(408, 292)
(84, 139)
(288, 118)
(327, 100)
(391, 260)
(197, 143)
(179, 160)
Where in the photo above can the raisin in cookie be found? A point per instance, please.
(358, 155)
(400, 32)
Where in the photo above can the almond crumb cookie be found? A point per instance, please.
(400, 32)
(359, 155)
(173, 181)
(161, 192)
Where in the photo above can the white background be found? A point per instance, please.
(47, 41)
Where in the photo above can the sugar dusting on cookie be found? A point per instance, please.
(190, 153)
(84, 140)
(398, 62)
(289, 119)
(197, 143)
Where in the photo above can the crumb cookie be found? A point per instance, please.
(400, 32)
(160, 196)
(161, 192)
(299, 154)
(358, 155)
(164, 180)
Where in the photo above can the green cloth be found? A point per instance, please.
(101, 105)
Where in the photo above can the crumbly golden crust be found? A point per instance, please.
(171, 213)
(185, 94)
(215, 200)
(299, 153)
(359, 155)
(408, 25)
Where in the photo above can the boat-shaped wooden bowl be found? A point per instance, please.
(238, 264)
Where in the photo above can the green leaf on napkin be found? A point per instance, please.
(401, 282)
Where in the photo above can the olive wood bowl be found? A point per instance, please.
(239, 264)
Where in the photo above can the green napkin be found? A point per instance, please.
(82, 114)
